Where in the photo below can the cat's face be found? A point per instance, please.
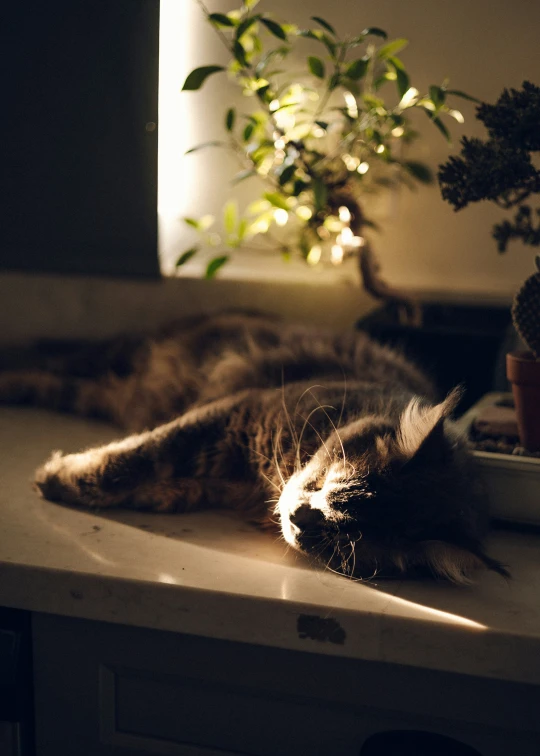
(383, 499)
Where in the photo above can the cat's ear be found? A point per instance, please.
(456, 563)
(421, 435)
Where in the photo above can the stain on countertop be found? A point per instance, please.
(322, 629)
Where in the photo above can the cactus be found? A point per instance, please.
(526, 311)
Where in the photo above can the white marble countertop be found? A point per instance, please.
(210, 574)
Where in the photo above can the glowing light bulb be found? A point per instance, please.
(304, 212)
(281, 216)
(350, 161)
(380, 149)
(337, 254)
(363, 167)
(398, 131)
(314, 255)
(346, 236)
(352, 106)
(344, 214)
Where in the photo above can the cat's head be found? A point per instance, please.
(386, 498)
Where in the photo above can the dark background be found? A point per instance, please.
(78, 181)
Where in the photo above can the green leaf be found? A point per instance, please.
(386, 51)
(316, 66)
(220, 19)
(277, 200)
(279, 53)
(322, 124)
(193, 222)
(324, 24)
(240, 54)
(375, 31)
(299, 187)
(245, 25)
(320, 194)
(198, 76)
(242, 229)
(320, 37)
(248, 132)
(420, 171)
(402, 78)
(440, 125)
(243, 175)
(286, 174)
(437, 95)
(357, 69)
(230, 216)
(230, 119)
(214, 265)
(464, 95)
(185, 256)
(334, 81)
(274, 28)
(331, 46)
(213, 143)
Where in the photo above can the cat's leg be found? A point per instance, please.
(176, 467)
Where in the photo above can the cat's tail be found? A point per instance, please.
(40, 388)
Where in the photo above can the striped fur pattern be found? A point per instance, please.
(333, 440)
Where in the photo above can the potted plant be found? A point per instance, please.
(501, 169)
(321, 137)
(523, 367)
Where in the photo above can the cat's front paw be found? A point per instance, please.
(52, 480)
(70, 478)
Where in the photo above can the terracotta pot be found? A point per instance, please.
(523, 372)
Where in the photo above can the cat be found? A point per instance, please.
(337, 442)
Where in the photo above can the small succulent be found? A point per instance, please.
(526, 311)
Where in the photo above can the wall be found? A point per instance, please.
(483, 45)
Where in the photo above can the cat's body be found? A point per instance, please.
(336, 440)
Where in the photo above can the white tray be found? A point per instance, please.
(513, 482)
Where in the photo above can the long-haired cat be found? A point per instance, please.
(337, 441)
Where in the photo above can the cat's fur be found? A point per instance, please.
(333, 438)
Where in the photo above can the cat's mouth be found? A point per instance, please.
(308, 523)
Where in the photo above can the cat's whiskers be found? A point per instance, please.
(266, 477)
(344, 399)
(353, 555)
(275, 443)
(306, 423)
(286, 411)
(332, 424)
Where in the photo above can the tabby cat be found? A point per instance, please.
(337, 441)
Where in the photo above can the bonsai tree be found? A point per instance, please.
(320, 139)
(501, 169)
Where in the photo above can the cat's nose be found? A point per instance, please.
(307, 518)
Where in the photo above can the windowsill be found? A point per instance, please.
(41, 305)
